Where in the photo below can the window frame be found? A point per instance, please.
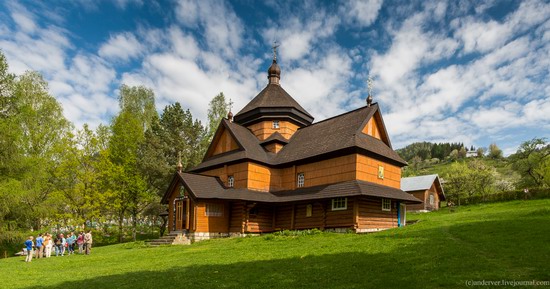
(276, 124)
(209, 212)
(300, 180)
(338, 201)
(230, 181)
(386, 205)
(309, 210)
(432, 200)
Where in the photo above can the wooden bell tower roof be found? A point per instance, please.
(273, 102)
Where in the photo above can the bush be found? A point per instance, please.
(537, 193)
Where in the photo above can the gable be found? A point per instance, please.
(222, 142)
(375, 128)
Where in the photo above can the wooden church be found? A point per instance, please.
(270, 168)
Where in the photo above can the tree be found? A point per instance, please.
(494, 151)
(78, 178)
(129, 189)
(454, 155)
(217, 109)
(462, 153)
(38, 141)
(528, 161)
(480, 152)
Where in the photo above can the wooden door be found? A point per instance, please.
(180, 208)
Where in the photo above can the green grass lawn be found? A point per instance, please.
(508, 241)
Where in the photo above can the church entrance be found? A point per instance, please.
(180, 215)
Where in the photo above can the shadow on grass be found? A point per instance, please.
(445, 256)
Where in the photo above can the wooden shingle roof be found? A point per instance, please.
(275, 96)
(342, 132)
(207, 187)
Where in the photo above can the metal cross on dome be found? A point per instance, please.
(370, 85)
(275, 45)
(230, 104)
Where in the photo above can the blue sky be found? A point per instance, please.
(469, 71)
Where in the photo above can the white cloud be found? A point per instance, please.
(24, 22)
(222, 28)
(299, 34)
(123, 46)
(125, 3)
(361, 12)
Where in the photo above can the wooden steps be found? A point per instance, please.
(174, 238)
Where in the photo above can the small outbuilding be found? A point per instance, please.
(426, 188)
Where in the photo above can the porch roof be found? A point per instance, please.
(207, 187)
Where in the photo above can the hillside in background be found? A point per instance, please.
(442, 250)
(473, 175)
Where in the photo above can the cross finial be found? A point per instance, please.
(180, 165)
(230, 114)
(370, 86)
(275, 46)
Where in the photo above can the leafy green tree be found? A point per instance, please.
(79, 177)
(462, 153)
(480, 152)
(42, 133)
(129, 187)
(217, 110)
(494, 151)
(529, 161)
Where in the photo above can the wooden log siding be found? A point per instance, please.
(264, 129)
(212, 223)
(367, 170)
(340, 218)
(421, 195)
(283, 217)
(262, 221)
(237, 216)
(302, 221)
(371, 215)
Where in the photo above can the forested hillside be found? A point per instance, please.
(477, 175)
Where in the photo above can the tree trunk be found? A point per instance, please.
(134, 225)
(120, 224)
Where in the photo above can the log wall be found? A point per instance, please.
(237, 217)
(262, 221)
(371, 215)
(212, 223)
(421, 195)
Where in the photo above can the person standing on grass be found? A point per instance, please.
(39, 246)
(70, 244)
(80, 242)
(58, 245)
(88, 241)
(63, 244)
(48, 244)
(29, 245)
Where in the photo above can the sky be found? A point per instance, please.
(475, 72)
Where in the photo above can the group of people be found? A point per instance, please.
(45, 243)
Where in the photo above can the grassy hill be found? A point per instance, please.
(484, 242)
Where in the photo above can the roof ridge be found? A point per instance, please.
(342, 114)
